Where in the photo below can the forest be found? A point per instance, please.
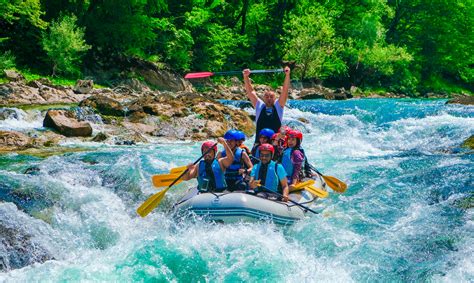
(411, 47)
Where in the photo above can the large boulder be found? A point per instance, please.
(65, 123)
(158, 77)
(104, 105)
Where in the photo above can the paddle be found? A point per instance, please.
(294, 202)
(317, 191)
(209, 74)
(332, 182)
(300, 186)
(153, 201)
(164, 180)
(177, 170)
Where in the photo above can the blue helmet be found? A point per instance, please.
(267, 133)
(240, 136)
(231, 135)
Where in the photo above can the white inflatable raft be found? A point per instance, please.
(229, 207)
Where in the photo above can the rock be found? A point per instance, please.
(47, 139)
(139, 127)
(13, 76)
(11, 140)
(158, 77)
(38, 93)
(469, 143)
(130, 139)
(465, 100)
(84, 86)
(134, 85)
(56, 95)
(100, 137)
(355, 90)
(65, 124)
(303, 120)
(34, 170)
(8, 113)
(104, 105)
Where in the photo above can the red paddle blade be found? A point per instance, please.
(198, 75)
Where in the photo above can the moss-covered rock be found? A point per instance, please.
(469, 143)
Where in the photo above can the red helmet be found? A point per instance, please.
(267, 147)
(208, 144)
(275, 136)
(295, 134)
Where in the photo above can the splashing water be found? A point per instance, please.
(407, 215)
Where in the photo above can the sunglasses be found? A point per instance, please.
(268, 155)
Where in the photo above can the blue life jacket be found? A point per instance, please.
(287, 164)
(232, 172)
(271, 181)
(216, 182)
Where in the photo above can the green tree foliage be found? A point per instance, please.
(65, 45)
(121, 26)
(441, 35)
(20, 28)
(311, 42)
(398, 45)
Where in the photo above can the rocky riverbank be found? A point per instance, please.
(125, 115)
(132, 112)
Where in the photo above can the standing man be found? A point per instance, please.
(269, 111)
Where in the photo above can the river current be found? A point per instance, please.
(406, 216)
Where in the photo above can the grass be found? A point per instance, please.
(440, 85)
(64, 81)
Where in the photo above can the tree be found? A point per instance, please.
(65, 45)
(310, 42)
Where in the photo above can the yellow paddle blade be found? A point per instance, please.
(302, 185)
(164, 180)
(178, 170)
(151, 203)
(335, 184)
(317, 191)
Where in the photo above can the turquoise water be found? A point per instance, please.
(402, 218)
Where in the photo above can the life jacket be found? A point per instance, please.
(232, 172)
(214, 181)
(272, 181)
(288, 164)
(271, 121)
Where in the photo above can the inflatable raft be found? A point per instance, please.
(230, 207)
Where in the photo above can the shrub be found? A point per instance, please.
(65, 45)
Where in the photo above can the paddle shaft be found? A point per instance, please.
(315, 170)
(292, 201)
(252, 72)
(210, 74)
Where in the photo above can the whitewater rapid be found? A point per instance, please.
(400, 220)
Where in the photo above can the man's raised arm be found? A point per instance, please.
(251, 94)
(286, 85)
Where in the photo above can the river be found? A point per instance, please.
(406, 216)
